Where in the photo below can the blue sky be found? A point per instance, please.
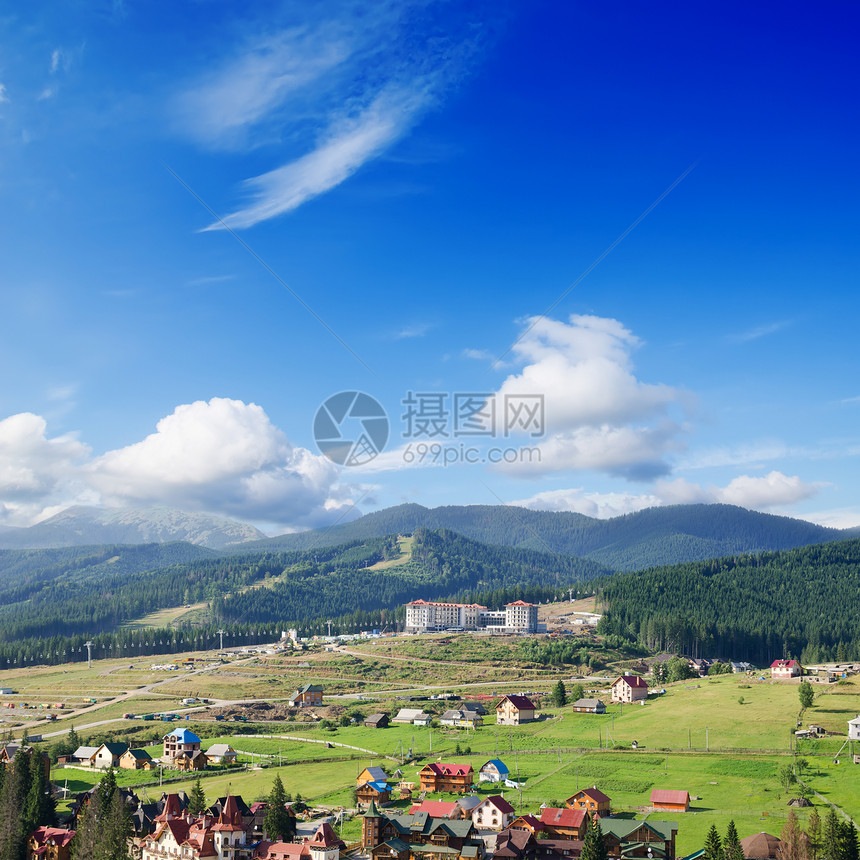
(217, 216)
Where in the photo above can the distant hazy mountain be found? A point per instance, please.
(82, 526)
(666, 535)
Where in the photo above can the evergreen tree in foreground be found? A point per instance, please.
(594, 845)
(813, 834)
(559, 694)
(197, 799)
(713, 846)
(278, 823)
(830, 840)
(732, 844)
(848, 848)
(16, 788)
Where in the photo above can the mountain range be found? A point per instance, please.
(655, 536)
(85, 526)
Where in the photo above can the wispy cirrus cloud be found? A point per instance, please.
(331, 94)
(414, 330)
(350, 143)
(759, 331)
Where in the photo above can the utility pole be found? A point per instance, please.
(89, 654)
(221, 634)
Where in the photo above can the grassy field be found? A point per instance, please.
(166, 617)
(698, 736)
(405, 544)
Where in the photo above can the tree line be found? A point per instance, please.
(802, 603)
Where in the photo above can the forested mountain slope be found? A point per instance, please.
(443, 565)
(665, 535)
(802, 603)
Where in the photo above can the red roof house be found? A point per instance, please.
(565, 823)
(785, 669)
(515, 710)
(670, 801)
(435, 808)
(439, 776)
(629, 688)
(590, 800)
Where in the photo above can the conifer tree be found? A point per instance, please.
(559, 694)
(278, 823)
(106, 789)
(116, 829)
(39, 807)
(197, 799)
(73, 740)
(16, 787)
(713, 845)
(831, 838)
(813, 833)
(732, 844)
(848, 848)
(88, 837)
(594, 845)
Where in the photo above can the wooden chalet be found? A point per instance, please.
(440, 776)
(530, 823)
(308, 696)
(136, 760)
(625, 838)
(369, 774)
(190, 761)
(388, 836)
(591, 800)
(375, 791)
(377, 721)
(222, 754)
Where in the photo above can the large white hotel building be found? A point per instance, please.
(423, 616)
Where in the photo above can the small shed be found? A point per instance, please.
(589, 706)
(408, 715)
(377, 721)
(669, 800)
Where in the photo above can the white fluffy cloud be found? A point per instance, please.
(599, 416)
(222, 456)
(35, 471)
(763, 493)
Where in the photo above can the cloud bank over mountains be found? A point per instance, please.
(222, 456)
(226, 457)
